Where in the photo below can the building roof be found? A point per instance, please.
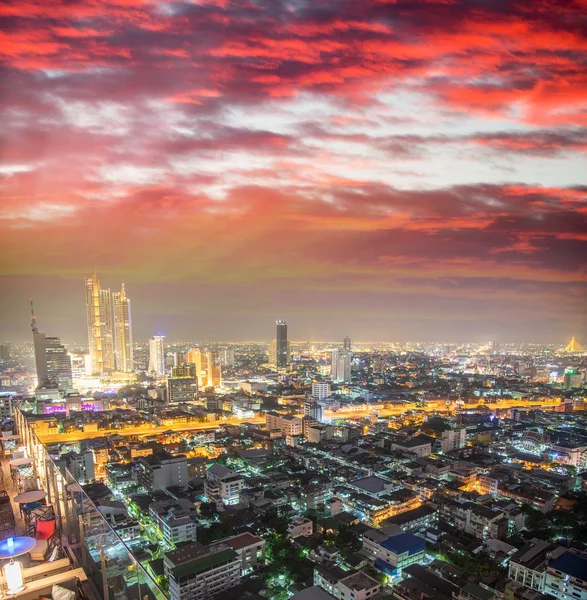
(571, 564)
(404, 542)
(359, 581)
(219, 470)
(415, 442)
(196, 558)
(477, 591)
(372, 484)
(411, 515)
(243, 540)
(312, 593)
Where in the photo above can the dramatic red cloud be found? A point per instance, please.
(426, 153)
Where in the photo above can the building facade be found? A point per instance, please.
(122, 323)
(157, 355)
(99, 319)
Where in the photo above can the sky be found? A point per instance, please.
(390, 170)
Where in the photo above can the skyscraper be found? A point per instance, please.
(340, 366)
(157, 355)
(214, 370)
(99, 317)
(123, 351)
(51, 359)
(198, 359)
(347, 344)
(282, 345)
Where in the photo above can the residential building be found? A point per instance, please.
(198, 572)
(157, 355)
(451, 439)
(177, 519)
(339, 584)
(287, 424)
(222, 485)
(474, 591)
(80, 465)
(122, 334)
(396, 552)
(528, 565)
(566, 576)
(420, 445)
(416, 519)
(320, 390)
(162, 470)
(313, 410)
(300, 527)
(475, 519)
(248, 547)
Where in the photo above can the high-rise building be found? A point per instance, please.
(197, 358)
(272, 351)
(282, 358)
(123, 351)
(340, 366)
(227, 358)
(4, 352)
(320, 390)
(99, 317)
(347, 344)
(157, 355)
(182, 385)
(213, 369)
(51, 359)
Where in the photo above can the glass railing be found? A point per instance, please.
(105, 557)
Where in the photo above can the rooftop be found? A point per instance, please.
(571, 564)
(359, 581)
(478, 592)
(404, 542)
(372, 484)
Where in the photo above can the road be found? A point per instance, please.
(439, 407)
(75, 436)
(327, 416)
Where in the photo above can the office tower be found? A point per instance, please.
(281, 345)
(340, 366)
(123, 352)
(347, 344)
(320, 390)
(157, 355)
(5, 352)
(272, 351)
(51, 359)
(180, 358)
(182, 385)
(197, 358)
(227, 358)
(213, 369)
(99, 317)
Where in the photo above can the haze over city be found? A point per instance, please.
(412, 171)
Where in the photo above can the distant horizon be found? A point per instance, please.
(410, 170)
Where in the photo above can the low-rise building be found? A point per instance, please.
(248, 547)
(198, 572)
(566, 577)
(302, 526)
(223, 485)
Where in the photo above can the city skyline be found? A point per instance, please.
(410, 171)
